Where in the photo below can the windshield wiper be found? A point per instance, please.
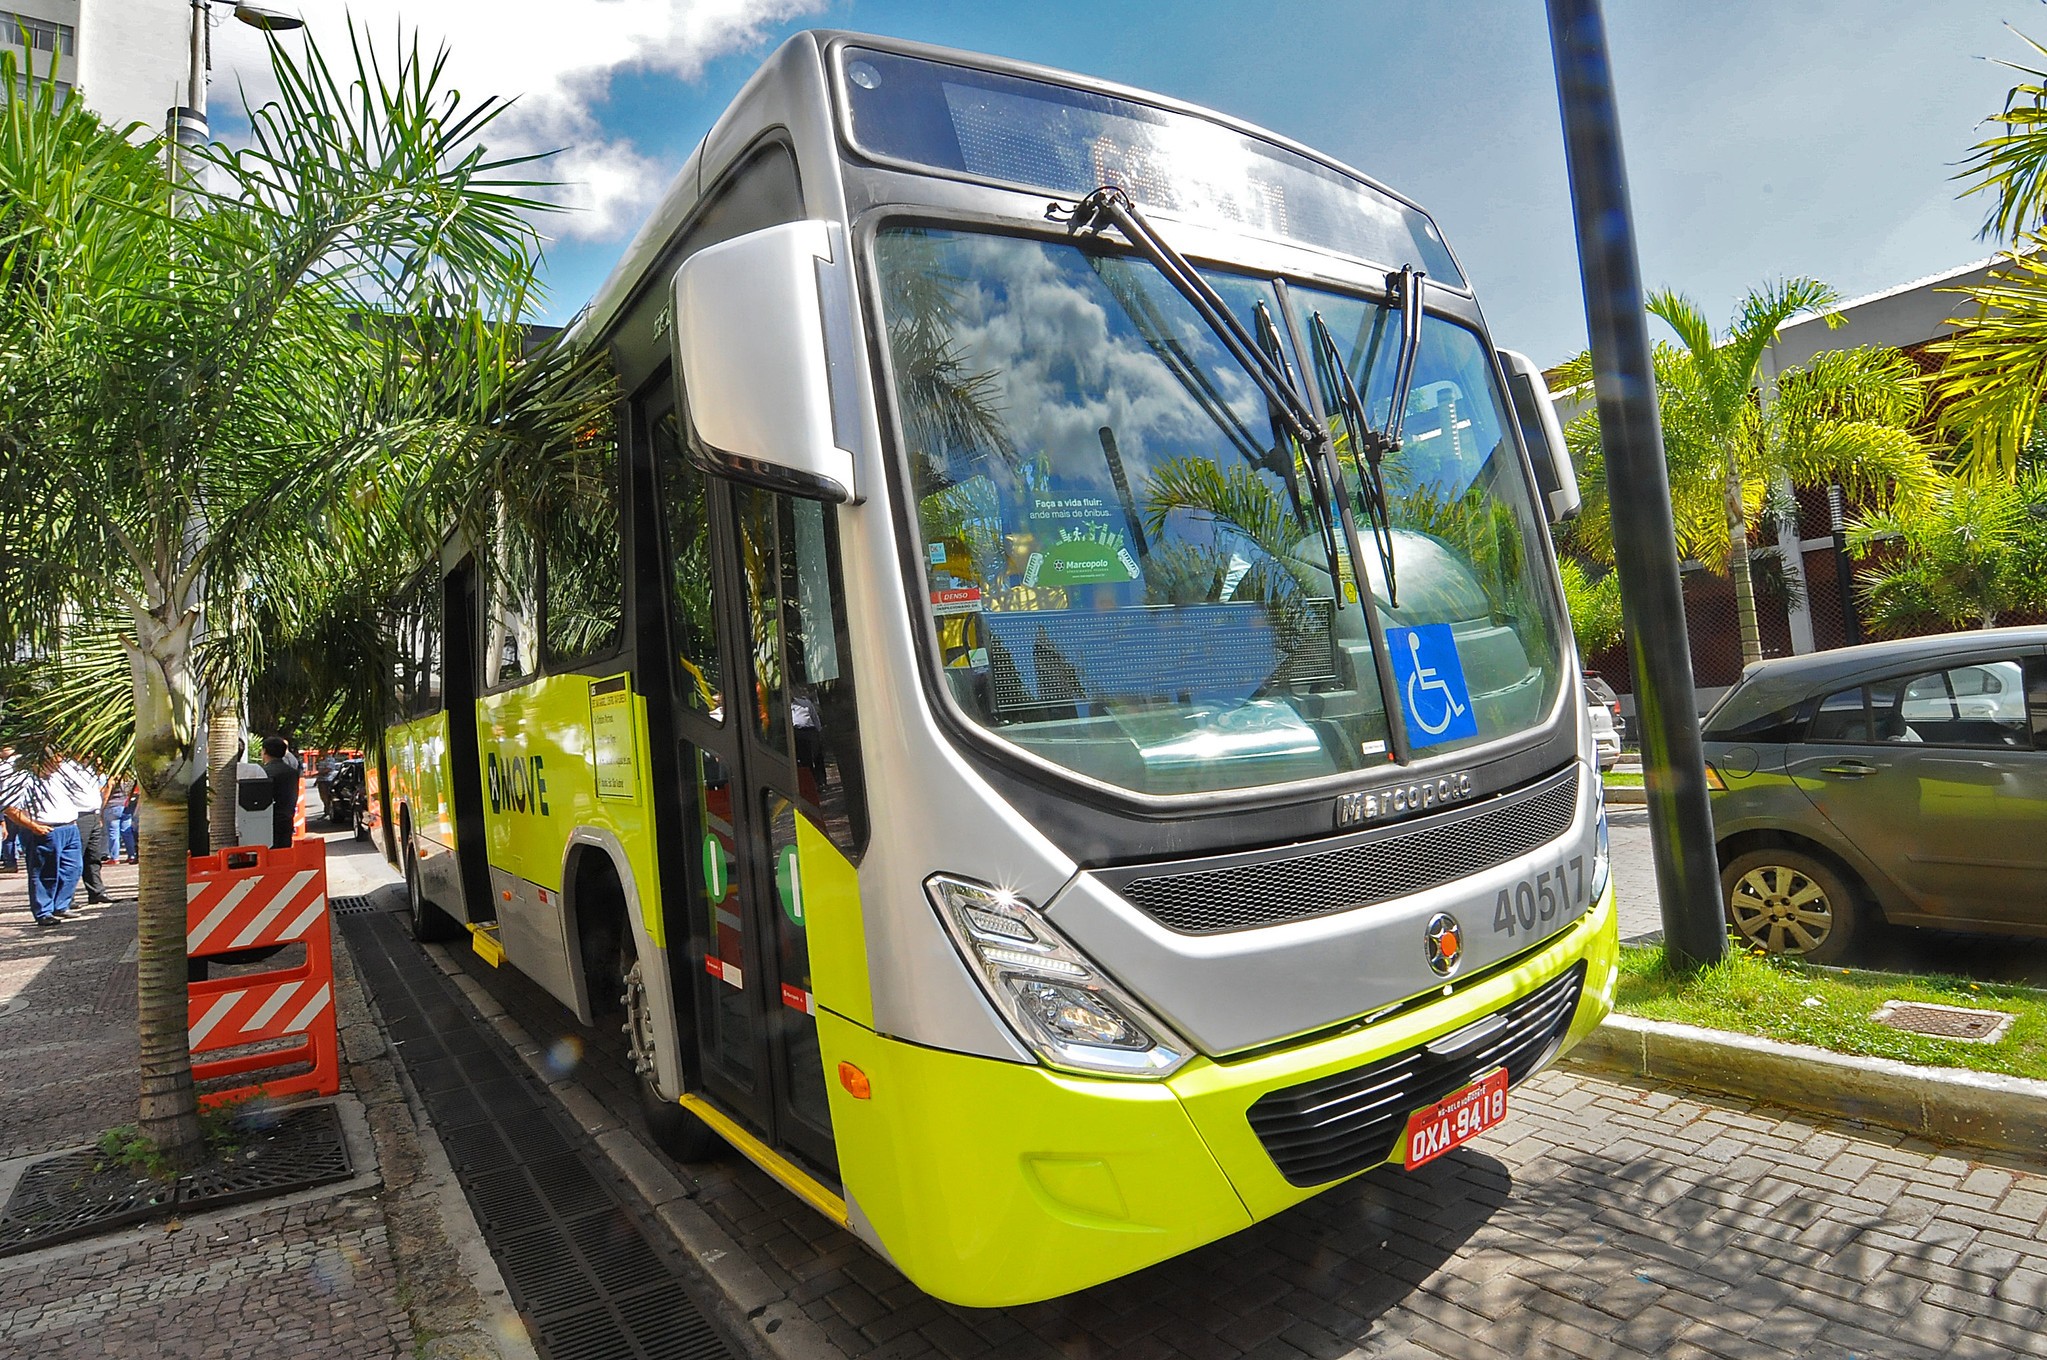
(1110, 206)
(1283, 454)
(1367, 449)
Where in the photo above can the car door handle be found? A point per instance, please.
(1849, 769)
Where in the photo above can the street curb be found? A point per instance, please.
(1627, 795)
(1942, 1104)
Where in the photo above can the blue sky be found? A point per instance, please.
(1763, 139)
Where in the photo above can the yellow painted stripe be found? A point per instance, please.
(484, 940)
(799, 1182)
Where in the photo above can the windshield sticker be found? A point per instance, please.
(1433, 694)
(960, 600)
(1082, 545)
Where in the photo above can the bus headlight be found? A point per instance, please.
(1069, 1014)
(1602, 859)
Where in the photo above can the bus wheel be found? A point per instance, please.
(675, 1130)
(430, 924)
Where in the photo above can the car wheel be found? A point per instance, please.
(1791, 903)
(430, 925)
(675, 1130)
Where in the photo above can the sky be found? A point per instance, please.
(1763, 139)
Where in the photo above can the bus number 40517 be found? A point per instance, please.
(1536, 902)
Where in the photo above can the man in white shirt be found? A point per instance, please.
(88, 794)
(38, 803)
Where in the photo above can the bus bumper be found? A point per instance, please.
(991, 1183)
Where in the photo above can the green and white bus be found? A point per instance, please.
(1051, 722)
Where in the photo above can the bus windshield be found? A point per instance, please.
(1123, 560)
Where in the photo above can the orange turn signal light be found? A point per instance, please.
(1714, 781)
(855, 1082)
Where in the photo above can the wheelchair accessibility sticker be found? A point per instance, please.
(1431, 680)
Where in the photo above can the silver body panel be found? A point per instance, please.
(1243, 989)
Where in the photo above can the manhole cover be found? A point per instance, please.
(1944, 1022)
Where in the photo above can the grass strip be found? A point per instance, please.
(1615, 780)
(1829, 1008)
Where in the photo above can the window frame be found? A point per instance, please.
(606, 659)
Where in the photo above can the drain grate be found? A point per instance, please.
(71, 1195)
(1961, 1023)
(350, 906)
(590, 1279)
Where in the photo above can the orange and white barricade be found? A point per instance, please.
(252, 898)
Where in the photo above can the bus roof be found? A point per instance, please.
(806, 50)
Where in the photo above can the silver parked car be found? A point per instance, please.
(1608, 727)
(1903, 780)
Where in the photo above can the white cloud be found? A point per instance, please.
(556, 56)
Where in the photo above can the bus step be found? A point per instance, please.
(484, 940)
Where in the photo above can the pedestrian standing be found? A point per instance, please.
(39, 805)
(284, 769)
(10, 838)
(131, 821)
(88, 793)
(115, 819)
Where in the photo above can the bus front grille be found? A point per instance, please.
(1266, 889)
(1326, 1129)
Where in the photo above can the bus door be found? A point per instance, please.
(459, 678)
(751, 763)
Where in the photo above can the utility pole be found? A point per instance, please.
(1638, 486)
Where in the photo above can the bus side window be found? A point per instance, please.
(803, 685)
(685, 504)
(428, 698)
(511, 602)
(585, 565)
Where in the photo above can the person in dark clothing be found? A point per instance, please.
(283, 768)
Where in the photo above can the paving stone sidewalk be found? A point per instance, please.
(1607, 1218)
(341, 1273)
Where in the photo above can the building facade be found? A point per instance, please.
(129, 59)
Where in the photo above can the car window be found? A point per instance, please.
(1983, 704)
(2036, 700)
(1864, 715)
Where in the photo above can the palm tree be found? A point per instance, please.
(1976, 552)
(316, 329)
(1847, 416)
(1995, 370)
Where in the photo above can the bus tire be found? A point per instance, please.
(430, 925)
(673, 1129)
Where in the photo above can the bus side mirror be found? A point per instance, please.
(1537, 416)
(763, 342)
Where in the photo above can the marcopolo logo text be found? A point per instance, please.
(1355, 809)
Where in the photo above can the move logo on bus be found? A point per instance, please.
(516, 783)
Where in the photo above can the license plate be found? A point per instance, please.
(1454, 1120)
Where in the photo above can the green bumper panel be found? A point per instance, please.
(993, 1183)
(1218, 1097)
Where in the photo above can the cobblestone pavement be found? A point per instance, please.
(67, 1018)
(312, 1280)
(316, 1277)
(1606, 1219)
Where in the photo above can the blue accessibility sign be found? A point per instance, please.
(1433, 694)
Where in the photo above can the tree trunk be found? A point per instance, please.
(1738, 570)
(165, 709)
(224, 749)
(169, 1117)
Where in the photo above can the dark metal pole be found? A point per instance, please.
(1844, 574)
(1638, 487)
